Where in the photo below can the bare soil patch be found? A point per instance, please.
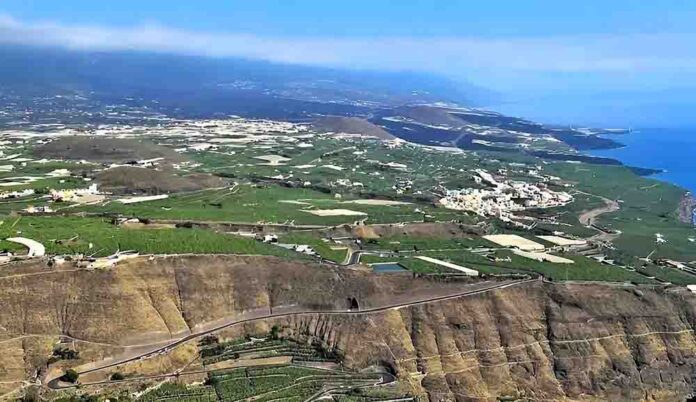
(134, 180)
(105, 150)
(351, 125)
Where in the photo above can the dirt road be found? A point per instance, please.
(163, 348)
(589, 218)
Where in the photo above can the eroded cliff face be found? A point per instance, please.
(537, 341)
(542, 342)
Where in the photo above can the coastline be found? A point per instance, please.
(663, 154)
(687, 209)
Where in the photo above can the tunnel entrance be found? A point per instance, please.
(352, 304)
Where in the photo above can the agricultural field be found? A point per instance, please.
(327, 249)
(251, 373)
(269, 204)
(71, 235)
(193, 178)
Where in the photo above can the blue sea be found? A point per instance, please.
(672, 150)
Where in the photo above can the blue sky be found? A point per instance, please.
(374, 17)
(536, 50)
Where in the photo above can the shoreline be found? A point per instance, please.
(666, 152)
(687, 209)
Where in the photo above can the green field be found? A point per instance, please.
(584, 269)
(327, 250)
(266, 204)
(297, 381)
(647, 207)
(74, 235)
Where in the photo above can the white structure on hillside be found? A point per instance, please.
(502, 199)
(36, 249)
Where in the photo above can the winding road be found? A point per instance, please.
(163, 348)
(589, 217)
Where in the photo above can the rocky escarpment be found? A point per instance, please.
(536, 340)
(144, 302)
(542, 342)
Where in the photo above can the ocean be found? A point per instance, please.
(672, 150)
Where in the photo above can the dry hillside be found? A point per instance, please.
(539, 341)
(104, 150)
(128, 180)
(351, 125)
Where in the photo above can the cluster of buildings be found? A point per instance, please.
(300, 248)
(347, 183)
(79, 195)
(17, 194)
(76, 195)
(502, 199)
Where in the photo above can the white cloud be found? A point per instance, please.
(635, 54)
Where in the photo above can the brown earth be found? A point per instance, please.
(420, 229)
(431, 115)
(536, 341)
(130, 180)
(452, 230)
(542, 342)
(105, 150)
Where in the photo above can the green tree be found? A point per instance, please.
(117, 376)
(275, 330)
(70, 376)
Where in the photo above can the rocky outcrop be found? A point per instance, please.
(537, 340)
(542, 342)
(687, 206)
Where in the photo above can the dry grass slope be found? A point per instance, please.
(105, 150)
(539, 341)
(129, 180)
(351, 125)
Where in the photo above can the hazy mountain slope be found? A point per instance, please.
(351, 125)
(38, 71)
(437, 125)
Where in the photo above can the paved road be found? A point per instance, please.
(162, 349)
(36, 249)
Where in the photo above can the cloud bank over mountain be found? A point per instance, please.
(453, 56)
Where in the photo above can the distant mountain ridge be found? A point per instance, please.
(52, 86)
(47, 71)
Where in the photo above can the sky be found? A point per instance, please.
(539, 50)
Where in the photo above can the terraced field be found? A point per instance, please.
(255, 379)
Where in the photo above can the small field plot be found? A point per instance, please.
(583, 268)
(668, 274)
(424, 243)
(180, 393)
(410, 263)
(325, 248)
(214, 352)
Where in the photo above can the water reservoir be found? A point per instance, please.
(388, 267)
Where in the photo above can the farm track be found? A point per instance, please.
(589, 217)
